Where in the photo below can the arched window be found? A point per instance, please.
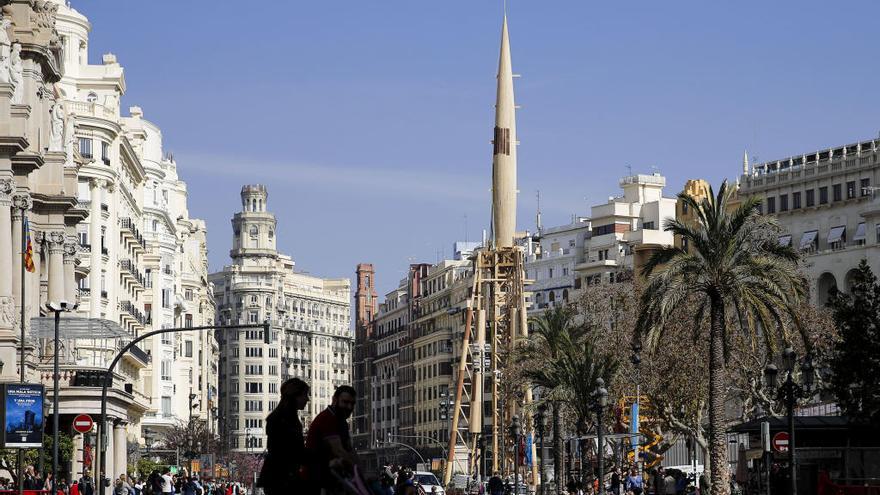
(92, 97)
(253, 205)
(552, 296)
(255, 231)
(565, 294)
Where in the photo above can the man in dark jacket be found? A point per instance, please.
(285, 448)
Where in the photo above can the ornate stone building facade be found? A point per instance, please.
(310, 319)
(81, 173)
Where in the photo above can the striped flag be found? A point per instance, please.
(29, 248)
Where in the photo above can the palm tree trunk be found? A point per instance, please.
(557, 448)
(719, 470)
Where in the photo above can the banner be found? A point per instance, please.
(22, 405)
(634, 426)
(529, 449)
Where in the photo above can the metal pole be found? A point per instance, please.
(516, 464)
(601, 450)
(792, 459)
(109, 374)
(541, 458)
(55, 411)
(22, 322)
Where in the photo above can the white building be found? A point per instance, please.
(618, 237)
(551, 258)
(310, 318)
(627, 229)
(827, 201)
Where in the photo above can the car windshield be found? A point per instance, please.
(427, 479)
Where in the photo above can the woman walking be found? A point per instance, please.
(285, 446)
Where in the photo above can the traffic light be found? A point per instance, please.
(90, 378)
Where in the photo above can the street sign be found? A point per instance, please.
(83, 423)
(781, 441)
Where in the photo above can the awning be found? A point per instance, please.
(809, 238)
(74, 327)
(785, 240)
(860, 232)
(836, 234)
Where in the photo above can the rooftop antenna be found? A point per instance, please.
(630, 168)
(465, 229)
(655, 168)
(538, 218)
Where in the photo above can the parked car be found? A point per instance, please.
(429, 482)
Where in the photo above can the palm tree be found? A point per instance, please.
(735, 267)
(561, 359)
(553, 331)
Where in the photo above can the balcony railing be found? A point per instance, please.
(127, 224)
(135, 313)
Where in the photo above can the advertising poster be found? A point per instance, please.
(22, 415)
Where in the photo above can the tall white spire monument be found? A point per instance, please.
(504, 151)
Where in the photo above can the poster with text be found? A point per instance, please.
(22, 415)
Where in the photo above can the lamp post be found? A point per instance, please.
(515, 429)
(790, 392)
(601, 395)
(540, 424)
(57, 308)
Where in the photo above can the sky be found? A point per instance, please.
(370, 121)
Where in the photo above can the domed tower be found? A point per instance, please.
(253, 229)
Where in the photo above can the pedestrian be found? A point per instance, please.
(167, 486)
(285, 448)
(329, 442)
(86, 484)
(121, 487)
(615, 481)
(496, 485)
(405, 483)
(633, 482)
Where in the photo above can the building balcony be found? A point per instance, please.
(91, 109)
(596, 265)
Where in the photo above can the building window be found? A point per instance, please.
(166, 298)
(603, 229)
(865, 187)
(253, 352)
(166, 406)
(837, 192)
(648, 225)
(253, 387)
(188, 321)
(783, 202)
(188, 349)
(851, 189)
(85, 147)
(253, 405)
(795, 200)
(771, 206)
(823, 195)
(166, 370)
(188, 294)
(105, 153)
(811, 197)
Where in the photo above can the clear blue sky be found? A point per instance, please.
(370, 121)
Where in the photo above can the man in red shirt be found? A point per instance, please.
(328, 443)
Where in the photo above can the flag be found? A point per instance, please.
(29, 248)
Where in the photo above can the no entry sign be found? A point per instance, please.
(781, 441)
(83, 423)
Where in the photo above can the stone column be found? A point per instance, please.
(6, 188)
(96, 263)
(56, 265)
(120, 450)
(19, 202)
(77, 462)
(34, 279)
(70, 289)
(111, 242)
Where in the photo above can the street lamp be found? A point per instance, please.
(540, 425)
(790, 392)
(515, 430)
(601, 396)
(57, 308)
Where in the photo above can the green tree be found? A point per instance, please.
(855, 361)
(735, 267)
